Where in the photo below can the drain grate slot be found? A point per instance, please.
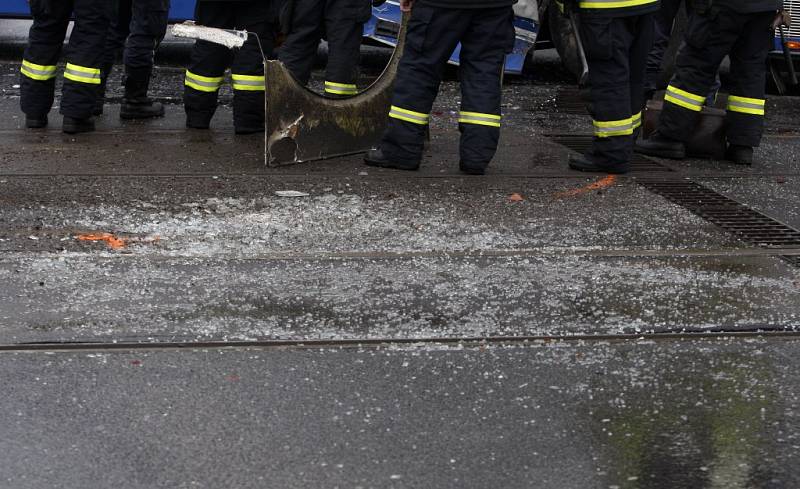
(569, 101)
(581, 143)
(792, 259)
(749, 225)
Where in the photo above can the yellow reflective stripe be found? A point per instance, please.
(409, 116)
(202, 83)
(207, 79)
(492, 120)
(341, 88)
(82, 74)
(696, 98)
(248, 82)
(615, 3)
(684, 99)
(83, 69)
(38, 72)
(605, 129)
(745, 105)
(687, 95)
(636, 120)
(34, 66)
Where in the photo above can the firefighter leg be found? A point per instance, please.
(608, 55)
(118, 32)
(708, 40)
(148, 27)
(84, 59)
(643, 32)
(745, 119)
(39, 63)
(299, 50)
(664, 20)
(433, 33)
(247, 71)
(207, 65)
(483, 48)
(344, 21)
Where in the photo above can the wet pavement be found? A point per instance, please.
(666, 413)
(147, 234)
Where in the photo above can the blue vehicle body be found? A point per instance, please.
(385, 23)
(181, 9)
(382, 27)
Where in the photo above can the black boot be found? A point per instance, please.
(582, 163)
(36, 122)
(375, 157)
(72, 125)
(136, 104)
(472, 169)
(659, 145)
(741, 155)
(105, 72)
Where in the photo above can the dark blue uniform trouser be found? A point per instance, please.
(663, 32)
(138, 27)
(744, 37)
(83, 56)
(206, 69)
(341, 23)
(616, 51)
(664, 21)
(486, 36)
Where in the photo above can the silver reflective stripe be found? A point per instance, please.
(685, 99)
(467, 118)
(406, 115)
(39, 72)
(746, 105)
(80, 74)
(619, 128)
(250, 83)
(203, 83)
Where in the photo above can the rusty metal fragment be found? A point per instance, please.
(305, 126)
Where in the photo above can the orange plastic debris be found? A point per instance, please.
(516, 198)
(113, 242)
(598, 185)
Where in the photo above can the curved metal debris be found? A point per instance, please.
(304, 126)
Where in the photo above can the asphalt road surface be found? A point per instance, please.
(167, 320)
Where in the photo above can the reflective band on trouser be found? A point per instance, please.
(479, 119)
(614, 3)
(607, 129)
(254, 83)
(341, 88)
(753, 106)
(203, 83)
(636, 120)
(82, 74)
(684, 99)
(38, 72)
(409, 116)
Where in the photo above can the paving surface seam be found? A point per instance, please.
(784, 253)
(468, 342)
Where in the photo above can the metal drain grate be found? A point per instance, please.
(749, 225)
(569, 101)
(581, 143)
(792, 259)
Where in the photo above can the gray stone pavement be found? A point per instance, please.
(146, 232)
(677, 413)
